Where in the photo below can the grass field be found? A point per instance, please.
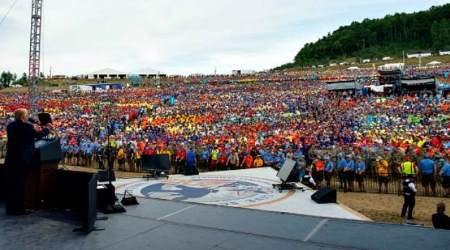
(387, 207)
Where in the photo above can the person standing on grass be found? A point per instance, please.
(328, 172)
(427, 169)
(409, 194)
(342, 164)
(360, 170)
(349, 173)
(445, 175)
(383, 173)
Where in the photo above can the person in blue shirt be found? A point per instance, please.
(360, 169)
(342, 164)
(328, 171)
(445, 174)
(349, 171)
(191, 162)
(204, 159)
(427, 169)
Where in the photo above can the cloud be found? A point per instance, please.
(178, 36)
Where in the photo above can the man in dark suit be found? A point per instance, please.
(19, 159)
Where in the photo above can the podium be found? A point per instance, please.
(41, 181)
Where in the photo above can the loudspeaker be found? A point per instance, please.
(156, 162)
(324, 195)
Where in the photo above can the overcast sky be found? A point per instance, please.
(179, 36)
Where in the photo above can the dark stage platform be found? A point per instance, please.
(157, 224)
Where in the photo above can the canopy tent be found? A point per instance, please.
(148, 73)
(353, 68)
(107, 73)
(433, 63)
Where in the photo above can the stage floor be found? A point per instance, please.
(166, 225)
(249, 188)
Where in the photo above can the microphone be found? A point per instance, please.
(32, 121)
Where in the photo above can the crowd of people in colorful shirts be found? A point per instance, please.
(232, 126)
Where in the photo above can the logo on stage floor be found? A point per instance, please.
(218, 190)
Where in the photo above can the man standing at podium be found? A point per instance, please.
(19, 159)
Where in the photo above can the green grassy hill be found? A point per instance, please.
(376, 38)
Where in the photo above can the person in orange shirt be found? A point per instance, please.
(248, 161)
(318, 167)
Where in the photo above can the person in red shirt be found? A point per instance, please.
(248, 161)
(180, 159)
(222, 161)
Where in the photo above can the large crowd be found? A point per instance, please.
(230, 126)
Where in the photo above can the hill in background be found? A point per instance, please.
(377, 38)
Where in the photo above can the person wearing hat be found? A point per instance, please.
(408, 167)
(382, 167)
(409, 195)
(349, 172)
(328, 172)
(258, 162)
(342, 164)
(360, 169)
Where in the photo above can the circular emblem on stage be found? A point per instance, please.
(217, 190)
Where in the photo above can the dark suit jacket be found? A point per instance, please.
(21, 138)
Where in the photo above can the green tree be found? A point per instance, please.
(388, 36)
(22, 80)
(6, 78)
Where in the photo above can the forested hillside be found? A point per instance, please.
(375, 38)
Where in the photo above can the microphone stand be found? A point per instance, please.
(112, 207)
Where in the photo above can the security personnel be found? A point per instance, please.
(409, 193)
(408, 167)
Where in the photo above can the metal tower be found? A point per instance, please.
(35, 54)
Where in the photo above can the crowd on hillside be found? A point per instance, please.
(230, 126)
(342, 73)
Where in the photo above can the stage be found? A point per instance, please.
(249, 188)
(224, 210)
(161, 224)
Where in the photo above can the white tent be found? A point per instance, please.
(107, 73)
(148, 73)
(433, 63)
(353, 68)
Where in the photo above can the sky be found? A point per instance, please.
(179, 36)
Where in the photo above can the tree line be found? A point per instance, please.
(7, 79)
(375, 38)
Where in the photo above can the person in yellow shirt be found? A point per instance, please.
(382, 167)
(258, 162)
(121, 158)
(408, 167)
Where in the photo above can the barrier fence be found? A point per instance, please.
(370, 181)
(371, 184)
